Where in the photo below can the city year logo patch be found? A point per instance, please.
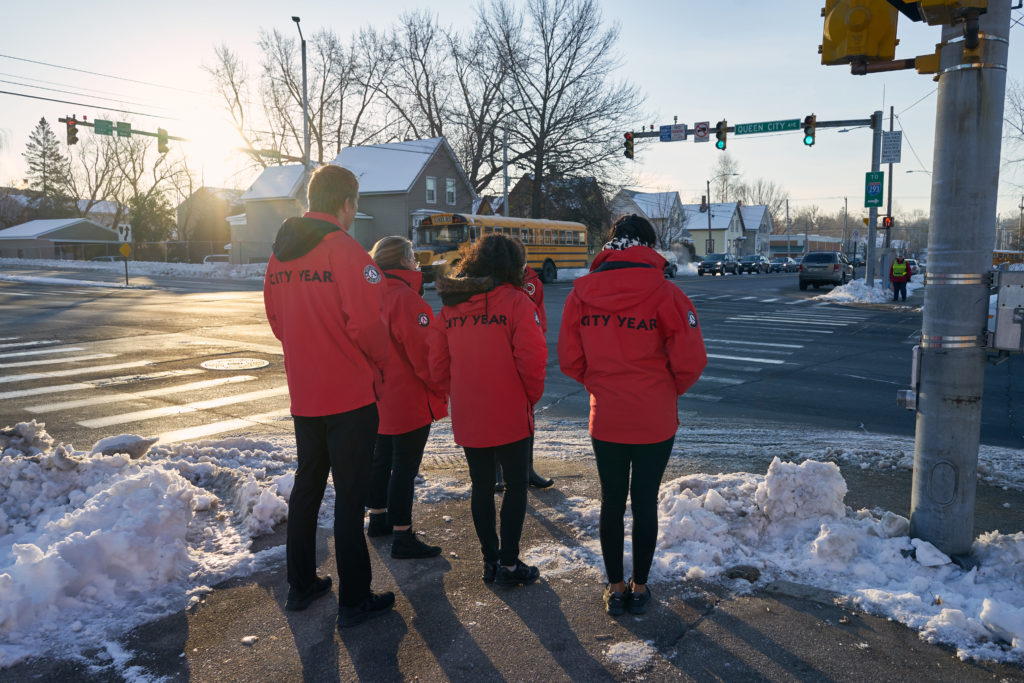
(423, 320)
(691, 318)
(371, 274)
(530, 288)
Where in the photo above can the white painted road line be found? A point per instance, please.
(768, 301)
(30, 343)
(76, 371)
(92, 384)
(783, 327)
(745, 359)
(720, 380)
(722, 296)
(702, 397)
(133, 395)
(166, 411)
(746, 298)
(39, 352)
(790, 319)
(212, 428)
(750, 343)
(56, 361)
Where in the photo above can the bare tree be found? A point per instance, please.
(565, 108)
(725, 183)
(763, 192)
(146, 183)
(231, 79)
(668, 218)
(94, 176)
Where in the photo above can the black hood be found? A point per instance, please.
(457, 290)
(299, 236)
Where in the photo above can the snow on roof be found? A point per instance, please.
(721, 216)
(40, 228)
(388, 168)
(655, 205)
(276, 182)
(753, 215)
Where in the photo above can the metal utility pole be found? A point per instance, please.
(305, 101)
(710, 246)
(876, 146)
(789, 249)
(1020, 226)
(846, 208)
(968, 131)
(888, 198)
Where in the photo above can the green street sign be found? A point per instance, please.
(124, 130)
(102, 127)
(766, 127)
(873, 188)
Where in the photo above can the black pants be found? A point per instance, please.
(614, 463)
(342, 445)
(396, 461)
(515, 463)
(899, 288)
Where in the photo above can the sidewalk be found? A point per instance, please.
(449, 625)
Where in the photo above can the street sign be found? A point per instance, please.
(672, 133)
(892, 146)
(700, 131)
(873, 188)
(856, 235)
(126, 250)
(766, 127)
(103, 127)
(124, 130)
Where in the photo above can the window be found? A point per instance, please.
(474, 233)
(547, 237)
(449, 190)
(431, 190)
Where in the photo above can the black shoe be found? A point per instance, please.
(499, 487)
(378, 525)
(406, 546)
(300, 600)
(375, 605)
(522, 575)
(490, 571)
(539, 482)
(615, 603)
(638, 602)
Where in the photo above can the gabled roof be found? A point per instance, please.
(654, 205)
(753, 215)
(393, 167)
(721, 216)
(276, 182)
(60, 229)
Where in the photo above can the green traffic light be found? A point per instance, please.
(808, 140)
(720, 144)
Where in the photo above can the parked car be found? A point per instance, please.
(671, 263)
(719, 264)
(216, 258)
(858, 262)
(107, 259)
(825, 268)
(912, 264)
(782, 264)
(754, 263)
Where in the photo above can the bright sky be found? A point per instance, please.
(745, 61)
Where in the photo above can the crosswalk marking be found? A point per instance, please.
(790, 320)
(223, 426)
(768, 301)
(701, 397)
(165, 411)
(720, 380)
(29, 343)
(752, 343)
(781, 327)
(746, 298)
(76, 371)
(92, 384)
(797, 301)
(129, 396)
(56, 361)
(747, 359)
(39, 352)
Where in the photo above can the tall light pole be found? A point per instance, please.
(709, 247)
(305, 101)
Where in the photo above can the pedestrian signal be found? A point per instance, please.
(887, 221)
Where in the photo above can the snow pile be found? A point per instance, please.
(858, 291)
(631, 656)
(212, 271)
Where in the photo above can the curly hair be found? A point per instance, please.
(634, 227)
(496, 256)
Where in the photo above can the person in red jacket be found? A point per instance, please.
(632, 339)
(324, 299)
(406, 400)
(487, 350)
(899, 276)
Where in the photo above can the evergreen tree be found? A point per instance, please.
(48, 173)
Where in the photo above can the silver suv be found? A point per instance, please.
(825, 268)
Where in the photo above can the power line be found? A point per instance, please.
(911, 145)
(70, 92)
(96, 73)
(80, 104)
(918, 102)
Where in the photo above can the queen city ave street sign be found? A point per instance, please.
(766, 127)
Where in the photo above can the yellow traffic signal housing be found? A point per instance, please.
(943, 12)
(858, 31)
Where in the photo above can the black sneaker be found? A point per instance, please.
(499, 487)
(615, 603)
(539, 482)
(522, 575)
(300, 600)
(490, 571)
(638, 602)
(375, 605)
(378, 525)
(406, 546)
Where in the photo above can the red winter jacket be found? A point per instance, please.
(632, 339)
(534, 289)
(406, 399)
(487, 349)
(325, 301)
(904, 267)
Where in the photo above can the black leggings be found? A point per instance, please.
(396, 460)
(614, 462)
(515, 463)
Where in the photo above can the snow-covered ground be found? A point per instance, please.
(195, 271)
(93, 543)
(858, 292)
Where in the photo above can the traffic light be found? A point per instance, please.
(810, 123)
(720, 129)
(629, 145)
(888, 221)
(72, 124)
(161, 140)
(858, 31)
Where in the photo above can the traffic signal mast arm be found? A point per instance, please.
(89, 124)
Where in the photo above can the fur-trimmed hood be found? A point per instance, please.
(457, 290)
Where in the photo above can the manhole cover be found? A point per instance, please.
(235, 364)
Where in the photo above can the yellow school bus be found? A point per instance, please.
(550, 245)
